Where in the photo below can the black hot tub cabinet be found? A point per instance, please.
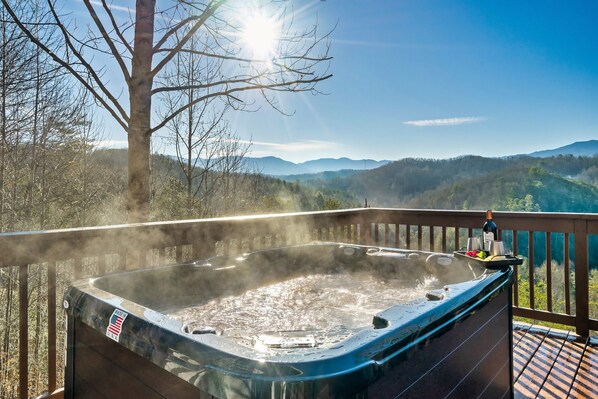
(454, 341)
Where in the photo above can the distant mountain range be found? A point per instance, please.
(342, 167)
(274, 166)
(579, 148)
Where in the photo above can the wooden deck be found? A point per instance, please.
(550, 363)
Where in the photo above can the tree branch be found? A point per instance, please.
(208, 12)
(203, 86)
(107, 39)
(212, 55)
(273, 86)
(172, 31)
(85, 64)
(121, 121)
(116, 28)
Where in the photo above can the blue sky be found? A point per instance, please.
(438, 79)
(445, 78)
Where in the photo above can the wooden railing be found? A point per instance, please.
(572, 231)
(36, 267)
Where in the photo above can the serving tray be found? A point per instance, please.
(504, 261)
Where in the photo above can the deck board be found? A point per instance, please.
(539, 367)
(561, 378)
(525, 351)
(586, 380)
(550, 363)
(519, 333)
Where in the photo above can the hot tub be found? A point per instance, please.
(318, 320)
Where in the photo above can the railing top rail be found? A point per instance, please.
(30, 247)
(530, 221)
(268, 218)
(510, 214)
(174, 224)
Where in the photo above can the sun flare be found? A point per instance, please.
(261, 34)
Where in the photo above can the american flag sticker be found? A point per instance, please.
(116, 323)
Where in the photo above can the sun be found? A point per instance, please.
(261, 34)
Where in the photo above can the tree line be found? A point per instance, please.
(49, 177)
(181, 55)
(47, 134)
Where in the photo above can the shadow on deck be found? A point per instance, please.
(549, 363)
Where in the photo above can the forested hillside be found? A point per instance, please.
(517, 188)
(557, 184)
(223, 192)
(97, 186)
(394, 184)
(77, 185)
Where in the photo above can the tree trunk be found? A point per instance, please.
(43, 154)
(138, 195)
(3, 123)
(190, 168)
(33, 165)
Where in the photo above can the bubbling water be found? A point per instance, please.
(318, 302)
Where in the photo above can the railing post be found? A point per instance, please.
(203, 246)
(567, 273)
(179, 253)
(516, 269)
(530, 261)
(366, 227)
(582, 304)
(387, 234)
(548, 273)
(23, 331)
(52, 326)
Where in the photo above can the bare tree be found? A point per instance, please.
(209, 156)
(144, 47)
(15, 60)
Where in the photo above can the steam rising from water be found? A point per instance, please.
(318, 302)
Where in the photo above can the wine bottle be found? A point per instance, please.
(490, 232)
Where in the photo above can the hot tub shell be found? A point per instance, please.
(454, 343)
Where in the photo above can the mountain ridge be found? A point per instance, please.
(274, 166)
(313, 169)
(578, 148)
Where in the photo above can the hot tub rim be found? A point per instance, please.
(74, 295)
